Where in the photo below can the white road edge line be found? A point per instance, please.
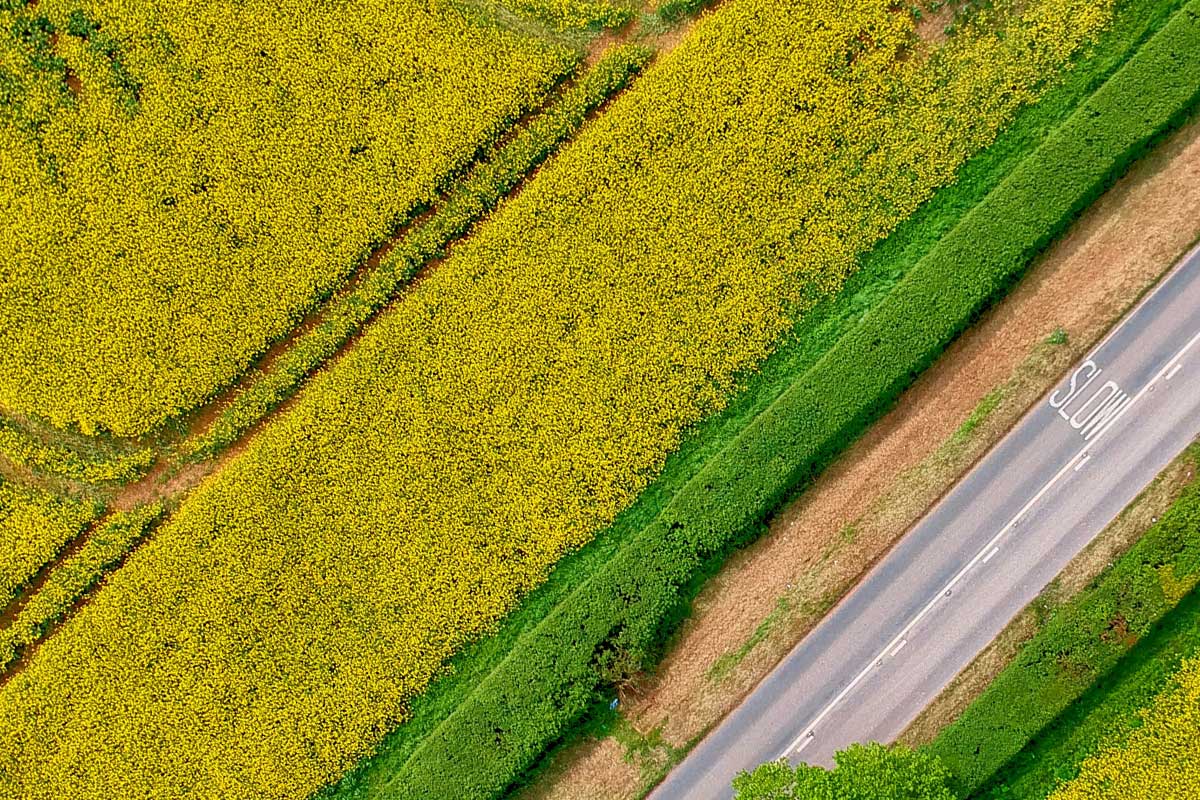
(808, 729)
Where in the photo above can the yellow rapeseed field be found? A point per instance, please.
(1161, 760)
(569, 14)
(512, 403)
(220, 166)
(33, 527)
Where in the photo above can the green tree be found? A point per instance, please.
(862, 772)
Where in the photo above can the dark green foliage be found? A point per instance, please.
(1078, 648)
(862, 772)
(34, 33)
(81, 25)
(549, 676)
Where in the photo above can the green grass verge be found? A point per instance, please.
(405, 761)
(1092, 665)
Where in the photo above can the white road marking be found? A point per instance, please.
(990, 555)
(1083, 461)
(899, 647)
(1174, 369)
(1111, 409)
(903, 634)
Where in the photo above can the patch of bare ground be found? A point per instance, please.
(769, 595)
(932, 21)
(603, 768)
(1117, 538)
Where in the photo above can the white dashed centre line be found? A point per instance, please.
(1174, 369)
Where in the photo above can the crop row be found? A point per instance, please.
(34, 526)
(575, 14)
(23, 448)
(79, 573)
(168, 219)
(514, 400)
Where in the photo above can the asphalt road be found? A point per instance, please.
(979, 556)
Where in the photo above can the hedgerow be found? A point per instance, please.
(1160, 759)
(550, 675)
(471, 199)
(217, 172)
(34, 526)
(508, 406)
(103, 550)
(1077, 647)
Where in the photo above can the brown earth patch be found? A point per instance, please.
(820, 545)
(932, 23)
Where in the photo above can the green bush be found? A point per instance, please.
(553, 670)
(861, 772)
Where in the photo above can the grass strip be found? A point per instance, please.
(615, 618)
(477, 195)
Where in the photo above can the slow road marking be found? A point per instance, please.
(1094, 426)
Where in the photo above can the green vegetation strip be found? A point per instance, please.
(74, 578)
(1078, 678)
(35, 526)
(615, 617)
(477, 195)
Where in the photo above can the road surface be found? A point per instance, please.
(979, 556)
